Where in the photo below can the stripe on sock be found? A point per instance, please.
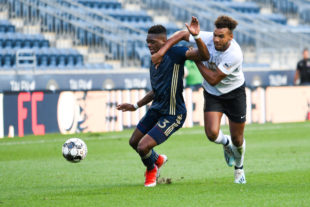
(239, 168)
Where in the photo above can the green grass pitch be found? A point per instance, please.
(277, 164)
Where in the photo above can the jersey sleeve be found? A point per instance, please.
(179, 53)
(230, 63)
(205, 36)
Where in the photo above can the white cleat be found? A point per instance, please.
(228, 153)
(240, 176)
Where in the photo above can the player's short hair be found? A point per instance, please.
(157, 29)
(225, 22)
(305, 49)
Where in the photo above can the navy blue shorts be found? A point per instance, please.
(160, 126)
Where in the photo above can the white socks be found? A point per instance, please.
(221, 139)
(239, 154)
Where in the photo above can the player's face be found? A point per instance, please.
(155, 42)
(222, 38)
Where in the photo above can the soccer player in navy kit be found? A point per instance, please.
(167, 112)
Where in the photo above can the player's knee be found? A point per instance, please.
(211, 134)
(142, 149)
(133, 144)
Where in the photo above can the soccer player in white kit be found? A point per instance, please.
(224, 86)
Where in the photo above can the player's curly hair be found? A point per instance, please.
(157, 29)
(225, 22)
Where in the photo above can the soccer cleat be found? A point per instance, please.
(150, 177)
(240, 176)
(162, 159)
(228, 153)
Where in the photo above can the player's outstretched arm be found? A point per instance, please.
(132, 107)
(213, 77)
(174, 39)
(202, 53)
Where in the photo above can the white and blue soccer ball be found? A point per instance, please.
(74, 150)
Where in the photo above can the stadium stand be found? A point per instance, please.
(106, 26)
(6, 26)
(300, 8)
(14, 44)
(45, 56)
(264, 37)
(105, 4)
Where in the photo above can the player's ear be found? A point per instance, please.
(231, 35)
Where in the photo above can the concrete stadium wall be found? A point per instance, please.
(68, 112)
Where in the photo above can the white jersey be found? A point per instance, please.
(228, 61)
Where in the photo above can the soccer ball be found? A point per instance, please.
(74, 150)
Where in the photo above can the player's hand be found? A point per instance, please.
(125, 107)
(156, 59)
(194, 27)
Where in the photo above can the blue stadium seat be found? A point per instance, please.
(244, 7)
(8, 40)
(71, 58)
(52, 57)
(304, 14)
(2, 52)
(6, 26)
(278, 18)
(1, 43)
(79, 60)
(44, 43)
(61, 58)
(128, 16)
(27, 42)
(106, 4)
(18, 40)
(8, 56)
(144, 56)
(42, 58)
(285, 6)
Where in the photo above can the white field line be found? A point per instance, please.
(179, 133)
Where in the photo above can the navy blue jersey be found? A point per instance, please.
(167, 82)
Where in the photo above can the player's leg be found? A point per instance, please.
(237, 133)
(165, 126)
(236, 112)
(213, 112)
(214, 134)
(135, 138)
(146, 152)
(212, 121)
(146, 124)
(238, 148)
(148, 157)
